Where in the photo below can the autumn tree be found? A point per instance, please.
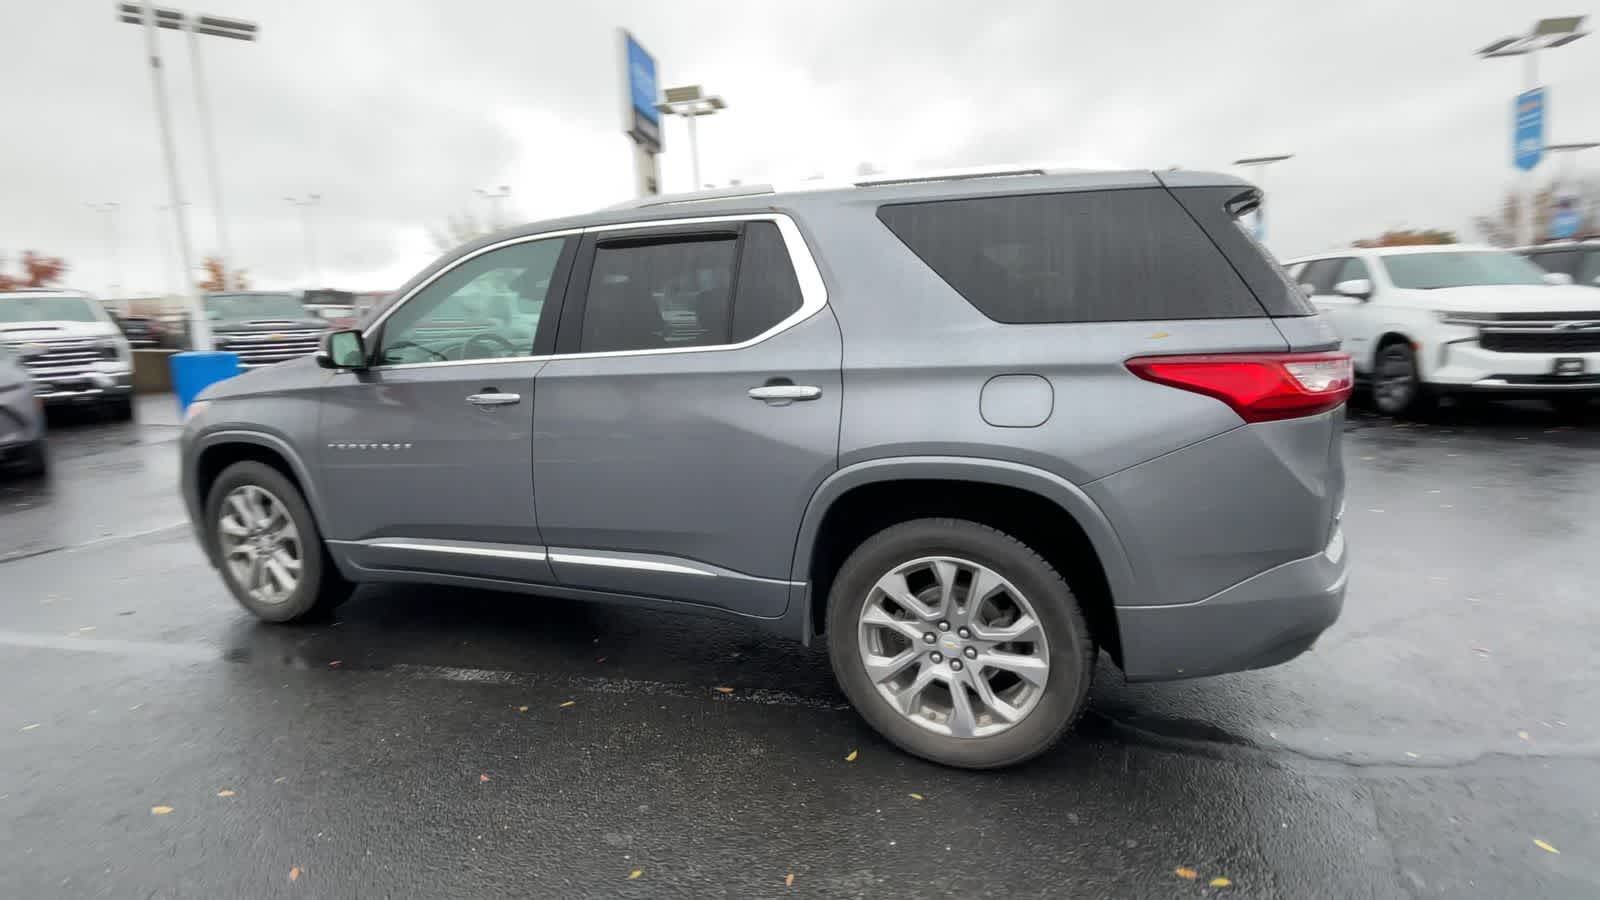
(1409, 237)
(218, 279)
(37, 271)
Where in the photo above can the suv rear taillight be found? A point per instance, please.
(1260, 387)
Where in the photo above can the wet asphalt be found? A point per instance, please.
(157, 742)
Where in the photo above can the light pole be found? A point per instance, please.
(1547, 34)
(305, 203)
(166, 251)
(199, 325)
(691, 103)
(1260, 163)
(109, 209)
(492, 199)
(194, 25)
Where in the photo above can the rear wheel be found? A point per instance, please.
(267, 545)
(35, 461)
(959, 643)
(1397, 387)
(119, 409)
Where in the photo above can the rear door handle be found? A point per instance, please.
(785, 392)
(494, 398)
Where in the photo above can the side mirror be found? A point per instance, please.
(1359, 288)
(342, 350)
(1557, 278)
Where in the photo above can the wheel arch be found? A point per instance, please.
(219, 450)
(1043, 510)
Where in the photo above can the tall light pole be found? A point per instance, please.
(691, 103)
(166, 251)
(1547, 34)
(199, 325)
(1259, 164)
(109, 209)
(305, 204)
(492, 199)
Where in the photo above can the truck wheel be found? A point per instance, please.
(119, 409)
(959, 643)
(1397, 386)
(267, 545)
(35, 461)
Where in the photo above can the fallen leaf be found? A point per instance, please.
(788, 880)
(635, 874)
(87, 628)
(279, 780)
(482, 778)
(569, 703)
(1220, 882)
(336, 664)
(522, 709)
(723, 690)
(1544, 846)
(916, 796)
(850, 757)
(225, 793)
(1483, 650)
(30, 727)
(294, 874)
(1186, 872)
(1524, 735)
(1413, 755)
(160, 810)
(599, 659)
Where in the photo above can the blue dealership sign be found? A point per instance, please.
(1564, 224)
(642, 81)
(1527, 131)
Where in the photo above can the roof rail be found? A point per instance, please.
(950, 175)
(727, 193)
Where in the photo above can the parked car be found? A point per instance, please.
(1579, 261)
(141, 331)
(1425, 322)
(22, 426)
(263, 327)
(71, 348)
(973, 430)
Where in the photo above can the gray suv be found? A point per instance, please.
(972, 430)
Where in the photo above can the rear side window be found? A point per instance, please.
(658, 294)
(1090, 256)
(768, 292)
(1217, 210)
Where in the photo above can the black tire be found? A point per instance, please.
(1397, 386)
(1072, 653)
(35, 461)
(321, 585)
(1575, 407)
(119, 409)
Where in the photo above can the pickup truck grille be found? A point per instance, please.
(265, 349)
(68, 358)
(1541, 341)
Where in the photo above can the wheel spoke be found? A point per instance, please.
(946, 571)
(963, 723)
(984, 585)
(257, 573)
(906, 698)
(241, 509)
(1023, 630)
(232, 527)
(289, 562)
(1002, 710)
(278, 574)
(877, 616)
(1032, 669)
(884, 668)
(893, 586)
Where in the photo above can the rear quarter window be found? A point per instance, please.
(1088, 256)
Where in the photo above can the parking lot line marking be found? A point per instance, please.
(181, 652)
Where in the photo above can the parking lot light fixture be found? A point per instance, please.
(691, 103)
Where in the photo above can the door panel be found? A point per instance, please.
(667, 454)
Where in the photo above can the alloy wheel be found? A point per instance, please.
(260, 544)
(954, 647)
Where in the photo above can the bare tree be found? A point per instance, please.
(1500, 227)
(457, 230)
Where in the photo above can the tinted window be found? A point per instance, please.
(1565, 261)
(1094, 256)
(489, 307)
(1353, 268)
(1319, 275)
(656, 294)
(1430, 271)
(1218, 210)
(1590, 273)
(768, 292)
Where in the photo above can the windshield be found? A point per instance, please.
(235, 307)
(1427, 271)
(46, 309)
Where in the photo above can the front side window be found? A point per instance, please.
(1463, 268)
(1590, 272)
(1354, 268)
(1319, 275)
(46, 309)
(659, 293)
(489, 307)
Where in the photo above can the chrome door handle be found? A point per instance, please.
(786, 392)
(494, 399)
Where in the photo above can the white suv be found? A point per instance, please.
(1420, 322)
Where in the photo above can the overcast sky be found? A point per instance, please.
(395, 112)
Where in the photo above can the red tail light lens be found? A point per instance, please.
(1260, 387)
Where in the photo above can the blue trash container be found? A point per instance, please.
(194, 371)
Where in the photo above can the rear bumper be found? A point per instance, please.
(1262, 621)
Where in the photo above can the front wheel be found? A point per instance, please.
(1397, 386)
(267, 545)
(959, 643)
